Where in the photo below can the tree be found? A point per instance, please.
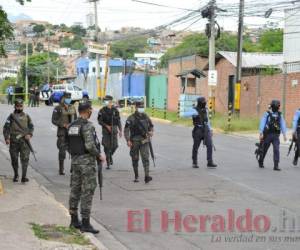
(23, 1)
(22, 49)
(127, 48)
(78, 30)
(198, 44)
(38, 68)
(39, 47)
(39, 29)
(271, 40)
(7, 82)
(75, 43)
(6, 30)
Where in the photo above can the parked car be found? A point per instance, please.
(130, 100)
(57, 91)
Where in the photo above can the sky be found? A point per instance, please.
(114, 14)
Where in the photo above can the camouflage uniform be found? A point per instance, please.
(109, 117)
(139, 140)
(62, 115)
(18, 146)
(83, 178)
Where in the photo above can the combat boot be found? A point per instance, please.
(136, 175)
(261, 164)
(87, 227)
(211, 164)
(148, 179)
(276, 167)
(61, 167)
(16, 175)
(24, 179)
(16, 178)
(24, 173)
(295, 162)
(75, 222)
(195, 165)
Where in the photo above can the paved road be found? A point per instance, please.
(237, 184)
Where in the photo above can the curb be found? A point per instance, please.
(91, 237)
(1, 188)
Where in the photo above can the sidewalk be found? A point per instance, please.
(31, 203)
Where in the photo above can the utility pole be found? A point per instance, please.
(212, 52)
(97, 55)
(237, 96)
(48, 60)
(26, 73)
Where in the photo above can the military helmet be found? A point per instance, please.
(139, 103)
(19, 101)
(84, 105)
(108, 98)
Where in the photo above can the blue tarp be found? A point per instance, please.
(120, 63)
(133, 85)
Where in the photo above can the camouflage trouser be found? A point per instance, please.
(62, 147)
(110, 143)
(83, 185)
(19, 147)
(138, 147)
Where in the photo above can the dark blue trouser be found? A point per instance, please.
(198, 136)
(268, 140)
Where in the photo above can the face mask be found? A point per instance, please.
(201, 105)
(18, 111)
(141, 110)
(106, 103)
(68, 101)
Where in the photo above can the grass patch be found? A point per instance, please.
(59, 233)
(218, 121)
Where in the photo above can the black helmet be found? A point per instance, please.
(275, 105)
(19, 101)
(139, 103)
(108, 98)
(201, 102)
(84, 105)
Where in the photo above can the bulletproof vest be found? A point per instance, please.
(23, 119)
(75, 139)
(273, 123)
(109, 116)
(140, 126)
(68, 115)
(201, 119)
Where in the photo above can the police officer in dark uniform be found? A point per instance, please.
(202, 132)
(271, 126)
(296, 136)
(109, 119)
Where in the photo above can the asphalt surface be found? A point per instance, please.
(237, 184)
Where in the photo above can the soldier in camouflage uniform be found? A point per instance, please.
(15, 138)
(138, 129)
(62, 116)
(84, 152)
(109, 119)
